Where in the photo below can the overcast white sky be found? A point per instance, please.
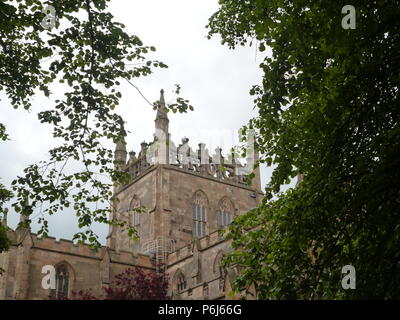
(215, 79)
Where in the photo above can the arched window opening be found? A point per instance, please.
(225, 216)
(135, 220)
(218, 268)
(225, 219)
(181, 283)
(62, 283)
(199, 215)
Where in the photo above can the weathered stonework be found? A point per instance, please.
(176, 196)
(87, 268)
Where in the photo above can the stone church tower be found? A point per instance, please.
(185, 198)
(180, 200)
(177, 199)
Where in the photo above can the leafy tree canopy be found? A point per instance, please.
(79, 44)
(5, 195)
(329, 110)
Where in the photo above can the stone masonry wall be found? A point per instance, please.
(87, 268)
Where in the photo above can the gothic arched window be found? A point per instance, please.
(199, 215)
(62, 283)
(181, 282)
(226, 214)
(217, 267)
(135, 214)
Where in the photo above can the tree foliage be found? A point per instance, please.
(90, 54)
(5, 195)
(328, 109)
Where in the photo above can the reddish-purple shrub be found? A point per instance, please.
(136, 284)
(132, 284)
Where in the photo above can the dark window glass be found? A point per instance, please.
(181, 285)
(199, 220)
(62, 283)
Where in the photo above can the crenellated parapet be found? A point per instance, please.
(136, 167)
(65, 246)
(68, 247)
(163, 151)
(184, 158)
(202, 244)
